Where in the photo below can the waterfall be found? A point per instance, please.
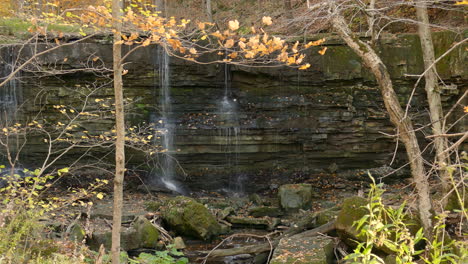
(230, 131)
(166, 175)
(10, 93)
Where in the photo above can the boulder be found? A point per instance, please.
(190, 218)
(352, 210)
(295, 196)
(261, 223)
(327, 215)
(262, 211)
(179, 243)
(76, 233)
(141, 234)
(300, 250)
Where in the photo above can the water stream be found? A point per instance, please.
(228, 109)
(166, 174)
(10, 93)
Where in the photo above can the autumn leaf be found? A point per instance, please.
(201, 25)
(267, 20)
(304, 67)
(322, 51)
(193, 51)
(234, 25)
(464, 2)
(146, 42)
(314, 43)
(229, 43)
(465, 109)
(233, 55)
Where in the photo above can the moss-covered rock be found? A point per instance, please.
(142, 234)
(327, 215)
(262, 211)
(310, 250)
(351, 211)
(295, 196)
(261, 223)
(187, 217)
(76, 233)
(152, 206)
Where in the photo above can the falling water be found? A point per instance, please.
(230, 132)
(10, 93)
(166, 175)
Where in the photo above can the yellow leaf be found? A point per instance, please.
(233, 55)
(322, 51)
(193, 51)
(229, 43)
(146, 42)
(314, 43)
(201, 25)
(100, 196)
(233, 25)
(294, 48)
(267, 20)
(464, 2)
(304, 67)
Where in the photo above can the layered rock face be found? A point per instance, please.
(236, 125)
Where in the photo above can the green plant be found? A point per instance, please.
(169, 256)
(23, 206)
(387, 228)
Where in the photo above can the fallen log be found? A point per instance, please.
(256, 249)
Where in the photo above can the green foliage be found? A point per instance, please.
(161, 257)
(19, 27)
(23, 205)
(169, 256)
(387, 229)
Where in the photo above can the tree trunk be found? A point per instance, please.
(433, 96)
(209, 11)
(120, 128)
(397, 116)
(370, 15)
(288, 8)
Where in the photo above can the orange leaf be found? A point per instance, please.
(322, 52)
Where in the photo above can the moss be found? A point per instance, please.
(352, 210)
(152, 206)
(146, 232)
(190, 218)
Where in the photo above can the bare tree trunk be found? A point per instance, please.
(404, 125)
(209, 11)
(433, 95)
(288, 8)
(120, 128)
(370, 15)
